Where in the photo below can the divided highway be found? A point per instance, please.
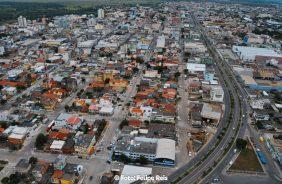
(228, 128)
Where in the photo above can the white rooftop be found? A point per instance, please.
(130, 170)
(58, 145)
(194, 67)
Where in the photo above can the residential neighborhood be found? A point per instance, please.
(179, 92)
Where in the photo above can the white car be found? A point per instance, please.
(190, 154)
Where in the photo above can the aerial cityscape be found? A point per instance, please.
(135, 92)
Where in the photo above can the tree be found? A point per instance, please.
(176, 74)
(85, 128)
(241, 143)
(123, 158)
(139, 60)
(135, 70)
(32, 161)
(143, 160)
(67, 108)
(123, 123)
(5, 180)
(83, 80)
(3, 124)
(41, 139)
(19, 88)
(107, 81)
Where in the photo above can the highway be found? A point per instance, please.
(270, 168)
(210, 154)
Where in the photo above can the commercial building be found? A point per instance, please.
(22, 22)
(101, 13)
(248, 54)
(133, 171)
(194, 68)
(160, 151)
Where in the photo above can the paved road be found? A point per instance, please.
(271, 168)
(197, 173)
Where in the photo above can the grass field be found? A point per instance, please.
(247, 161)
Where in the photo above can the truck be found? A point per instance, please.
(261, 157)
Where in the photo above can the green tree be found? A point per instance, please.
(107, 81)
(85, 128)
(143, 160)
(241, 143)
(3, 124)
(139, 60)
(32, 161)
(125, 159)
(135, 70)
(176, 74)
(41, 139)
(67, 108)
(5, 180)
(123, 123)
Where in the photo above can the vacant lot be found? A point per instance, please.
(247, 161)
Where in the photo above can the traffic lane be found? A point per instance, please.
(247, 179)
(209, 162)
(270, 167)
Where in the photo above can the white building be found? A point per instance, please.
(133, 171)
(196, 68)
(248, 54)
(101, 13)
(161, 42)
(22, 21)
(2, 50)
(195, 47)
(91, 22)
(217, 94)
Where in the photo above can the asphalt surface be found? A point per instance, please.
(197, 173)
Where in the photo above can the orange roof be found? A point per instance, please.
(73, 120)
(2, 130)
(134, 123)
(58, 174)
(58, 135)
(136, 110)
(12, 84)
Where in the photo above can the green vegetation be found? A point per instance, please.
(123, 123)
(33, 160)
(143, 160)
(241, 143)
(102, 125)
(41, 140)
(17, 178)
(34, 9)
(247, 161)
(123, 158)
(259, 125)
(2, 164)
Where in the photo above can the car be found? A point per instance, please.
(258, 149)
(190, 154)
(215, 180)
(108, 161)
